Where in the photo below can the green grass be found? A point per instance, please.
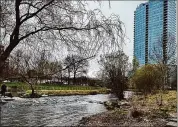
(53, 86)
(53, 89)
(65, 87)
(20, 86)
(68, 92)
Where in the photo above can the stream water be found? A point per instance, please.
(52, 111)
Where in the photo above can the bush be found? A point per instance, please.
(147, 79)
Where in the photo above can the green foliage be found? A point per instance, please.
(147, 79)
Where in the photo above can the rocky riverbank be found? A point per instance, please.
(120, 118)
(138, 111)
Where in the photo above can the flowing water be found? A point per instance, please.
(52, 111)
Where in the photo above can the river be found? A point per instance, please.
(52, 111)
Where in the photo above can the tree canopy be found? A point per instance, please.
(53, 23)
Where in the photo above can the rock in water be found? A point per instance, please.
(2, 102)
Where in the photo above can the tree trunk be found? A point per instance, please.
(61, 76)
(33, 91)
(2, 62)
(74, 79)
(68, 77)
(14, 37)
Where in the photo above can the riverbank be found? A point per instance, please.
(20, 89)
(138, 111)
(70, 92)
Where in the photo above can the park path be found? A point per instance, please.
(172, 120)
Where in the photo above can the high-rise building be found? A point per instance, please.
(140, 33)
(154, 31)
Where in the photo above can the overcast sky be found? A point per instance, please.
(125, 9)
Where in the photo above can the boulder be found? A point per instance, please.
(8, 94)
(110, 105)
(134, 113)
(125, 103)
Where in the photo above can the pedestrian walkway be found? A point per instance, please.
(172, 121)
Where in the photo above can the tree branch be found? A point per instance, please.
(35, 13)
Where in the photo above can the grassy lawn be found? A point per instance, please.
(53, 89)
(69, 92)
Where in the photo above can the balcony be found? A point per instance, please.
(165, 3)
(165, 13)
(165, 6)
(165, 22)
(164, 27)
(165, 17)
(164, 40)
(165, 33)
(164, 36)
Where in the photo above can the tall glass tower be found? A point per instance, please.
(155, 31)
(140, 35)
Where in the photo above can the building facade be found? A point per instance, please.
(155, 31)
(140, 33)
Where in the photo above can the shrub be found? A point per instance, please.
(147, 79)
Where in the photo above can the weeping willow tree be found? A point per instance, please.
(55, 25)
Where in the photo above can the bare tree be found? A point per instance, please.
(68, 64)
(157, 56)
(24, 67)
(52, 23)
(114, 67)
(78, 65)
(164, 55)
(31, 67)
(133, 67)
